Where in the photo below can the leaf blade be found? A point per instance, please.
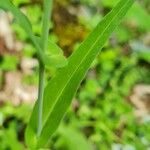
(74, 139)
(23, 22)
(61, 89)
(53, 55)
(21, 18)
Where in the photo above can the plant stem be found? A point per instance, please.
(44, 40)
(46, 20)
(40, 96)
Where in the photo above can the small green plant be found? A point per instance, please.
(54, 99)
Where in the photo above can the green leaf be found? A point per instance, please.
(9, 62)
(63, 86)
(53, 56)
(23, 22)
(73, 139)
(20, 17)
(108, 3)
(140, 16)
(10, 136)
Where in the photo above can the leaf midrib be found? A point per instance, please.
(83, 61)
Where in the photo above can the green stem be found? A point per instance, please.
(40, 97)
(46, 20)
(44, 41)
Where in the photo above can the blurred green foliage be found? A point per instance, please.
(101, 117)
